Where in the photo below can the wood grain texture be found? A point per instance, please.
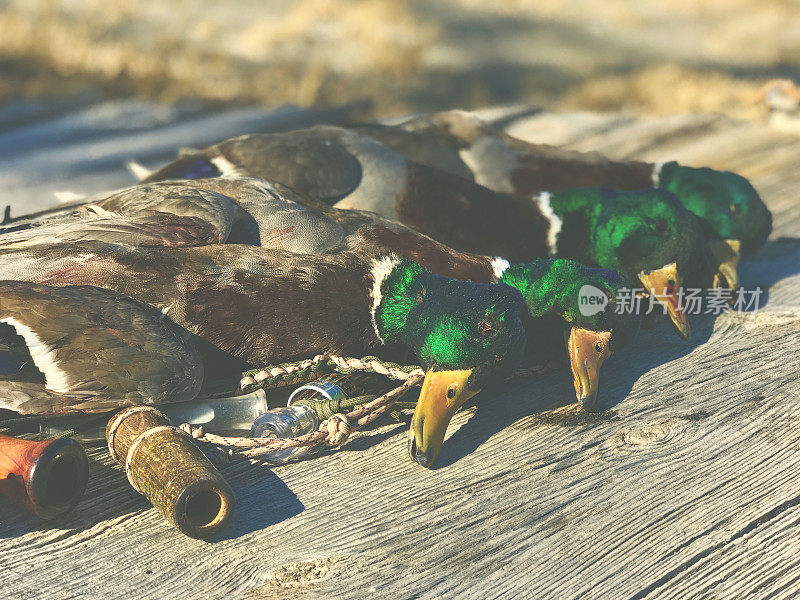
(85, 149)
(685, 485)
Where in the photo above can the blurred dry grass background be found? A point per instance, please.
(650, 57)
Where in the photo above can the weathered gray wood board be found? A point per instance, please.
(82, 146)
(686, 485)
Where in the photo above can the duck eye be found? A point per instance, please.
(735, 209)
(598, 347)
(671, 283)
(486, 328)
(451, 391)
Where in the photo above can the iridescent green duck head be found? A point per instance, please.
(727, 203)
(465, 334)
(590, 303)
(649, 237)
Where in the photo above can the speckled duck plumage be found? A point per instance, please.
(262, 306)
(462, 144)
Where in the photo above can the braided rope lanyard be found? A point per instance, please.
(337, 427)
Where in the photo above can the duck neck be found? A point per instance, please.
(543, 284)
(396, 285)
(570, 214)
(662, 172)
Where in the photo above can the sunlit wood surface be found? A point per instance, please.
(685, 485)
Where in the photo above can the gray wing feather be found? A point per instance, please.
(163, 214)
(318, 168)
(276, 216)
(96, 349)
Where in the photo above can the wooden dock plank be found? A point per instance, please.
(686, 485)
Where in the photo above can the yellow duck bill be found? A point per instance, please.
(665, 284)
(443, 393)
(587, 351)
(726, 255)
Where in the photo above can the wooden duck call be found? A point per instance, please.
(47, 477)
(164, 465)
